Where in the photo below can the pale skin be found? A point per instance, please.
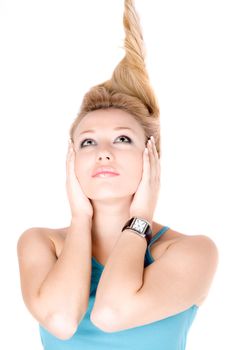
(99, 209)
(111, 197)
(122, 300)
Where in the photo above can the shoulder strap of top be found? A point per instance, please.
(158, 234)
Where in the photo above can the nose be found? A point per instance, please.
(104, 154)
(100, 157)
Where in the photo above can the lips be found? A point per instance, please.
(105, 170)
(106, 174)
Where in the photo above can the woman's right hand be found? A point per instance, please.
(79, 203)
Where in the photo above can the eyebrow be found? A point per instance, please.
(117, 128)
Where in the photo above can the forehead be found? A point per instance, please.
(108, 119)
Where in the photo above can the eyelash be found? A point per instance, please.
(130, 141)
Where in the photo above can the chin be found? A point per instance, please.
(108, 190)
(107, 194)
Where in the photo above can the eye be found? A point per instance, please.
(123, 136)
(119, 137)
(82, 143)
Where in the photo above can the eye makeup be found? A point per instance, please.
(121, 136)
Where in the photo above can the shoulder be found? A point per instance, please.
(196, 261)
(197, 244)
(196, 255)
(33, 235)
(39, 231)
(174, 236)
(200, 247)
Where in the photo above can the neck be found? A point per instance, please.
(108, 220)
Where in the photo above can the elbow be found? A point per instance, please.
(60, 326)
(105, 320)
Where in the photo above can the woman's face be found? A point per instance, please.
(105, 146)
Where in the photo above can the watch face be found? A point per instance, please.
(139, 225)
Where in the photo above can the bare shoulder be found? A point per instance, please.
(33, 233)
(201, 256)
(172, 237)
(199, 251)
(53, 237)
(196, 242)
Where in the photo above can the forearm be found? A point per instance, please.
(65, 291)
(122, 276)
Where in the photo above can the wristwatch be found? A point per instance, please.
(139, 226)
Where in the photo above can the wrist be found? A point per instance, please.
(142, 216)
(142, 226)
(81, 219)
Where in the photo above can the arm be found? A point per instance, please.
(173, 284)
(56, 291)
(121, 278)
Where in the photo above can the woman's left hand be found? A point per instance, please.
(145, 198)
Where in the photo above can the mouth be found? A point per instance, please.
(105, 171)
(106, 174)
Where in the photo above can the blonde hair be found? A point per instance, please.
(129, 88)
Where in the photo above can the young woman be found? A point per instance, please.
(114, 278)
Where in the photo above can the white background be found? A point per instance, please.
(52, 52)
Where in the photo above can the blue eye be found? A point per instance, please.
(122, 136)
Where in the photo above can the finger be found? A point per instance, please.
(152, 159)
(70, 173)
(157, 161)
(68, 155)
(71, 165)
(155, 164)
(67, 158)
(146, 165)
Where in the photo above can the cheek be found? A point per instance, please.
(80, 168)
(127, 182)
(134, 172)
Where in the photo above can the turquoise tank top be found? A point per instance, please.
(167, 334)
